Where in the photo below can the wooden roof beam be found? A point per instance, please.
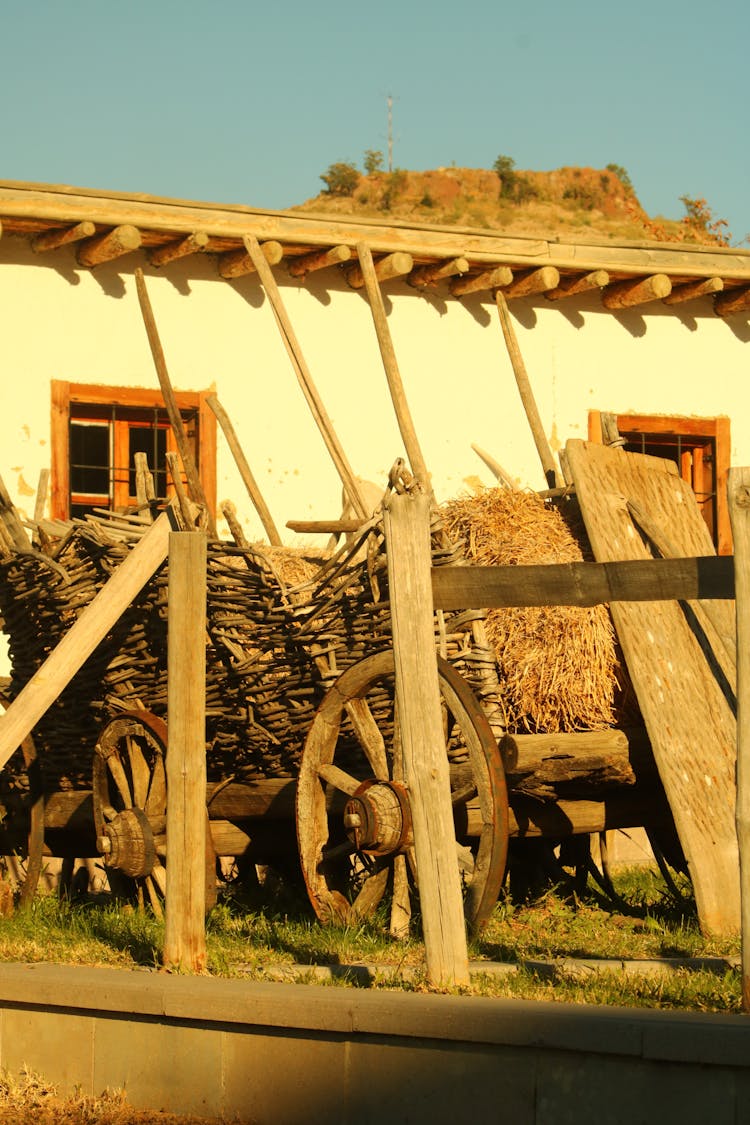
(194, 243)
(582, 283)
(476, 283)
(53, 239)
(733, 301)
(236, 263)
(529, 282)
(392, 265)
(319, 260)
(691, 290)
(422, 276)
(108, 246)
(638, 291)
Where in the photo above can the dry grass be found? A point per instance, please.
(559, 668)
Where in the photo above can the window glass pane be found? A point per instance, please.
(89, 458)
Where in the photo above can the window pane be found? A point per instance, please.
(89, 458)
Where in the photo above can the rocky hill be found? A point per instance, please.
(579, 203)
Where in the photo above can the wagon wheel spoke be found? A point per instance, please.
(140, 773)
(153, 896)
(120, 779)
(156, 802)
(338, 778)
(369, 735)
(401, 901)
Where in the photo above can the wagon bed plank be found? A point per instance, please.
(689, 720)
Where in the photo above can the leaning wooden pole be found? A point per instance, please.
(314, 401)
(527, 394)
(390, 363)
(175, 418)
(406, 520)
(739, 515)
(185, 923)
(96, 620)
(249, 481)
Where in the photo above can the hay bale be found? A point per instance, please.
(559, 666)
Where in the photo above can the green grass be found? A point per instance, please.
(250, 936)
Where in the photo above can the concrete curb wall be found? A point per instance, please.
(292, 1054)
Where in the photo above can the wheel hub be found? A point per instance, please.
(127, 843)
(377, 818)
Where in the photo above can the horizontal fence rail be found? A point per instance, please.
(583, 583)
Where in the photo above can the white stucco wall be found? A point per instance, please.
(66, 323)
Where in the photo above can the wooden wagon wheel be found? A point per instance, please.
(34, 851)
(353, 815)
(130, 807)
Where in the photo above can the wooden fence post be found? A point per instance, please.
(739, 514)
(185, 926)
(407, 533)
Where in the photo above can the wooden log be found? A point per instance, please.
(42, 489)
(479, 282)
(390, 364)
(54, 239)
(422, 276)
(528, 282)
(539, 763)
(739, 514)
(732, 301)
(636, 291)
(249, 481)
(691, 290)
(106, 247)
(579, 283)
(582, 583)
(495, 467)
(238, 263)
(407, 534)
(82, 638)
(325, 527)
(392, 265)
(527, 395)
(319, 260)
(170, 402)
(185, 926)
(193, 243)
(301, 370)
(630, 808)
(144, 485)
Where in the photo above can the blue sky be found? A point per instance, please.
(245, 102)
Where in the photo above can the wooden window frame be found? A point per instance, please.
(717, 429)
(66, 394)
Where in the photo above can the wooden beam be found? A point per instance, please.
(393, 265)
(478, 282)
(390, 364)
(732, 301)
(170, 402)
(691, 290)
(325, 527)
(539, 762)
(237, 263)
(739, 511)
(248, 479)
(627, 294)
(527, 395)
(106, 247)
(406, 519)
(583, 583)
(319, 260)
(53, 239)
(80, 641)
(528, 282)
(301, 370)
(193, 243)
(185, 921)
(422, 276)
(581, 283)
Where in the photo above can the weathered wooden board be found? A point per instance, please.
(690, 722)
